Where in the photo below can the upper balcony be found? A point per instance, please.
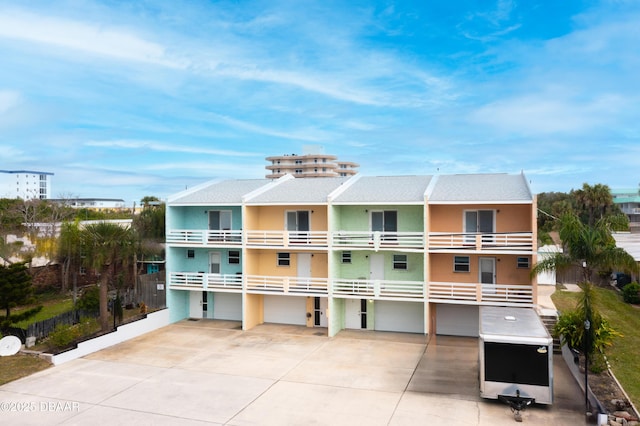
(378, 240)
(474, 242)
(204, 237)
(287, 239)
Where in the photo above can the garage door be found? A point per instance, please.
(227, 306)
(457, 320)
(285, 310)
(407, 317)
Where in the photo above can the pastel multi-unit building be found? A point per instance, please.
(415, 254)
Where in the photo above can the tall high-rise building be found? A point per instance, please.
(309, 166)
(25, 184)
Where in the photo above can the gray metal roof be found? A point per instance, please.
(299, 191)
(474, 188)
(511, 324)
(629, 242)
(385, 189)
(224, 192)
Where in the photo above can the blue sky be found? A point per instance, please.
(122, 99)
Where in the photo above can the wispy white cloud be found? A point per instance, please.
(308, 134)
(539, 114)
(164, 147)
(92, 38)
(8, 100)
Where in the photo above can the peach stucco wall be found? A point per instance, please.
(265, 262)
(507, 272)
(272, 218)
(509, 218)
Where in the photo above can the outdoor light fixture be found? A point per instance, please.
(542, 350)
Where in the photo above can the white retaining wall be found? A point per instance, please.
(153, 321)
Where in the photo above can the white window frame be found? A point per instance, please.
(284, 259)
(458, 266)
(523, 262)
(400, 262)
(236, 259)
(346, 257)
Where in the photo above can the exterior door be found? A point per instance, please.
(376, 267)
(320, 305)
(478, 221)
(385, 222)
(304, 267)
(488, 274)
(198, 304)
(298, 225)
(220, 220)
(355, 316)
(214, 262)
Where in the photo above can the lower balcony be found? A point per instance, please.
(263, 284)
(378, 289)
(485, 294)
(203, 281)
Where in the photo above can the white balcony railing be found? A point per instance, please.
(204, 237)
(378, 240)
(203, 281)
(382, 289)
(286, 238)
(481, 293)
(510, 241)
(287, 285)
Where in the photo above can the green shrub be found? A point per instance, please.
(63, 336)
(88, 326)
(570, 328)
(90, 300)
(631, 293)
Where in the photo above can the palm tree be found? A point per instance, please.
(108, 246)
(69, 250)
(593, 249)
(590, 247)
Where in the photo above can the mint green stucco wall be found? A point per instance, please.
(359, 266)
(336, 319)
(357, 218)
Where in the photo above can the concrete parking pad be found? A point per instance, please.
(211, 372)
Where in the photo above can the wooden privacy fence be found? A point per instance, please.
(42, 329)
(150, 290)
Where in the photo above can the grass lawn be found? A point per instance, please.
(624, 354)
(51, 308)
(19, 365)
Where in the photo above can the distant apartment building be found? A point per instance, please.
(628, 199)
(309, 166)
(92, 203)
(25, 184)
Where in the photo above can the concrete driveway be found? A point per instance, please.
(210, 372)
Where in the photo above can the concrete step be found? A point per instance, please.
(549, 320)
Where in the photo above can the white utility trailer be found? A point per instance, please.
(515, 355)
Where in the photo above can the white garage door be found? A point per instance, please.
(227, 306)
(457, 320)
(285, 310)
(407, 317)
